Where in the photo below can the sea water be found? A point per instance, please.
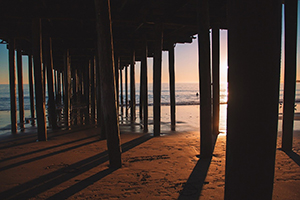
(185, 94)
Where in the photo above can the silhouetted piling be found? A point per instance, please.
(20, 90)
(132, 88)
(31, 93)
(253, 87)
(126, 91)
(157, 78)
(12, 85)
(107, 80)
(67, 88)
(172, 86)
(48, 62)
(121, 93)
(216, 78)
(291, 7)
(144, 83)
(205, 80)
(38, 79)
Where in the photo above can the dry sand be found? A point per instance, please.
(74, 165)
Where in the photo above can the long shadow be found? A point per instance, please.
(195, 182)
(31, 137)
(43, 183)
(294, 156)
(45, 156)
(45, 149)
(193, 187)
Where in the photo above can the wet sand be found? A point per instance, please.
(74, 165)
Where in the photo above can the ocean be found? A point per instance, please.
(185, 94)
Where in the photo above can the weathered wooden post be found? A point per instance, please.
(48, 62)
(58, 95)
(67, 88)
(87, 92)
(117, 65)
(38, 79)
(20, 89)
(121, 94)
(141, 95)
(144, 84)
(172, 85)
(100, 114)
(93, 91)
(216, 78)
(132, 88)
(31, 94)
(107, 81)
(291, 7)
(126, 92)
(206, 146)
(157, 60)
(75, 96)
(254, 47)
(12, 85)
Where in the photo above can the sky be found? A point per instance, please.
(186, 63)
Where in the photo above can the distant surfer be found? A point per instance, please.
(197, 94)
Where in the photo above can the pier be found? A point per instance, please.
(81, 50)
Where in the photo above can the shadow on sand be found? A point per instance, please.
(294, 156)
(43, 183)
(193, 187)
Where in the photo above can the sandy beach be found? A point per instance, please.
(74, 165)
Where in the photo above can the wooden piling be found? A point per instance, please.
(205, 80)
(67, 88)
(31, 94)
(87, 92)
(58, 98)
(141, 96)
(107, 80)
(12, 85)
(254, 48)
(290, 11)
(157, 78)
(100, 114)
(172, 86)
(20, 90)
(126, 91)
(48, 62)
(132, 88)
(216, 78)
(93, 91)
(144, 83)
(121, 93)
(74, 99)
(38, 79)
(117, 67)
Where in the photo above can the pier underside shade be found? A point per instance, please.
(107, 81)
(254, 69)
(38, 79)
(291, 7)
